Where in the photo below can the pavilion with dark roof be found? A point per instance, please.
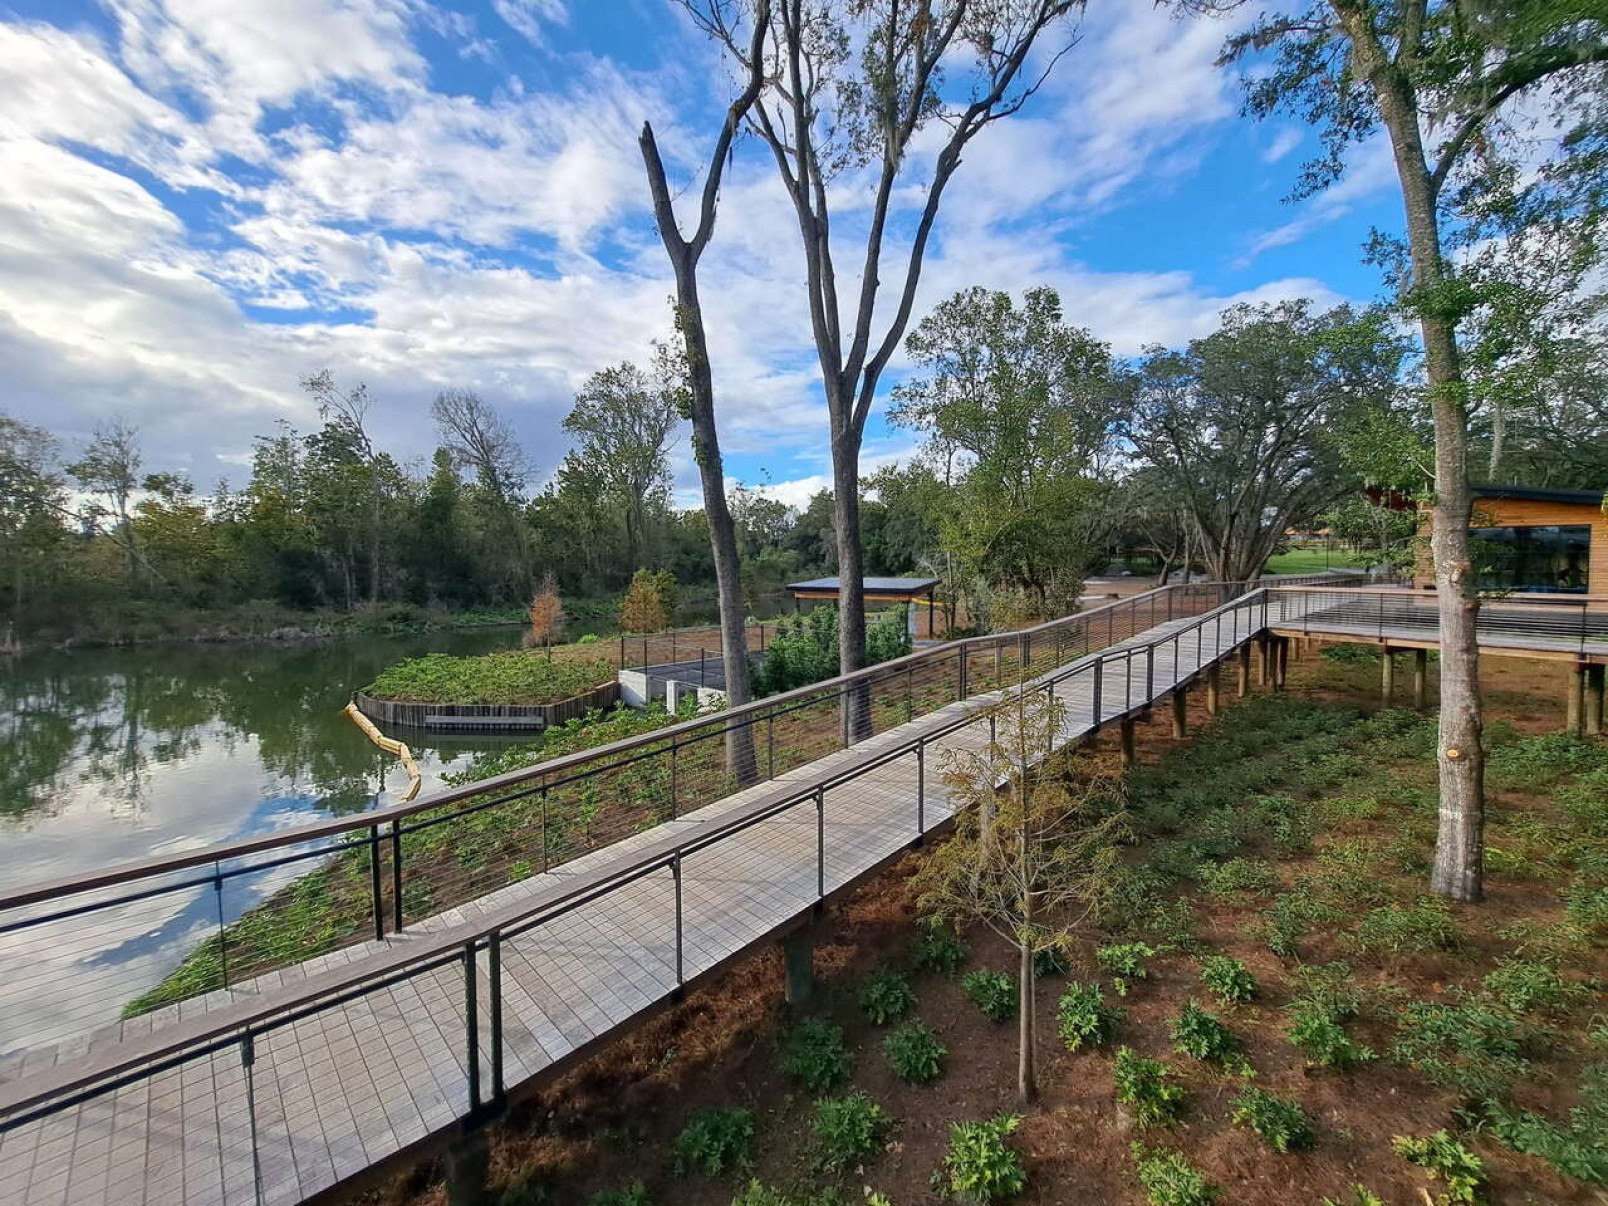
(913, 591)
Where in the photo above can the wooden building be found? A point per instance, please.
(1532, 540)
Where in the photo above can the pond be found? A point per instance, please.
(108, 755)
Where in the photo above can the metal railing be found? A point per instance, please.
(468, 960)
(1544, 622)
(245, 907)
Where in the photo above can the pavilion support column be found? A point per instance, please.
(468, 1167)
(798, 961)
(1387, 677)
(1180, 714)
(1264, 647)
(1281, 662)
(1214, 688)
(1245, 670)
(1596, 680)
(1420, 678)
(1130, 753)
(1574, 708)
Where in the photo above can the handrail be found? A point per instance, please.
(1409, 593)
(717, 723)
(243, 1018)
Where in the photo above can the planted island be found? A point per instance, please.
(512, 689)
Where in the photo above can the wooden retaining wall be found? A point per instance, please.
(485, 718)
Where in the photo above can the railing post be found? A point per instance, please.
(1099, 675)
(374, 882)
(960, 676)
(910, 695)
(471, 1026)
(675, 874)
(770, 744)
(494, 987)
(1169, 605)
(820, 843)
(223, 941)
(545, 845)
(248, 1061)
(396, 873)
(1150, 673)
(673, 810)
(921, 788)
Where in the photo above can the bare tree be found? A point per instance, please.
(684, 253)
(480, 440)
(848, 88)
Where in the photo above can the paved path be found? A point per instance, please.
(331, 1094)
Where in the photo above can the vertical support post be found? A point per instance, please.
(546, 848)
(1387, 676)
(1420, 678)
(1575, 709)
(1099, 683)
(468, 1167)
(1264, 646)
(1244, 670)
(960, 675)
(1214, 687)
(1130, 753)
(1596, 680)
(1180, 714)
(798, 960)
(770, 744)
(674, 812)
(1281, 661)
(223, 940)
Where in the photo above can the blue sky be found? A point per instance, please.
(202, 201)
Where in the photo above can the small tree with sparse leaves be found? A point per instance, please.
(1031, 861)
(642, 609)
(546, 617)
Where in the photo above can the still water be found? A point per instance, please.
(118, 754)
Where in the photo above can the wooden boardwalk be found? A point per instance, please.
(382, 1064)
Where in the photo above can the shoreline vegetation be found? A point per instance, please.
(513, 676)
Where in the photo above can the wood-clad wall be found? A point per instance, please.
(1529, 513)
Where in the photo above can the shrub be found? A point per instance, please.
(1528, 985)
(1227, 979)
(848, 1130)
(1240, 877)
(980, 1166)
(1319, 1035)
(1361, 1195)
(992, 992)
(1415, 929)
(1083, 1016)
(716, 1140)
(813, 1054)
(1284, 1124)
(938, 949)
(1577, 1150)
(1171, 1180)
(588, 638)
(634, 1194)
(1291, 917)
(756, 1193)
(1464, 1044)
(886, 996)
(1125, 962)
(915, 1053)
(1349, 653)
(1198, 1033)
(1144, 1087)
(1446, 1159)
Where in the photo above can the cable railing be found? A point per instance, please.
(458, 974)
(1545, 622)
(89, 948)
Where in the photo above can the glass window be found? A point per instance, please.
(1533, 559)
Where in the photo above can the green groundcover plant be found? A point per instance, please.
(512, 677)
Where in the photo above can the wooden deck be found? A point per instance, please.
(355, 1084)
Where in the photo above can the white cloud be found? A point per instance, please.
(1285, 141)
(1371, 171)
(528, 17)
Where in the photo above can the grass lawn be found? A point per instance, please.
(1315, 560)
(1383, 1047)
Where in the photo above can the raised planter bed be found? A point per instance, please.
(485, 718)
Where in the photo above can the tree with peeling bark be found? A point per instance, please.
(1456, 88)
(849, 92)
(685, 252)
(1032, 860)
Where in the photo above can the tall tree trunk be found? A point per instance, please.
(1493, 468)
(1460, 842)
(684, 254)
(851, 579)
